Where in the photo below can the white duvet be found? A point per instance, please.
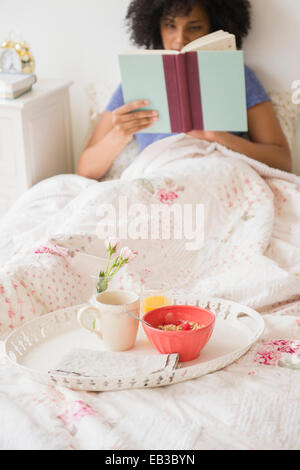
(251, 254)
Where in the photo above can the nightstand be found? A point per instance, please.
(35, 138)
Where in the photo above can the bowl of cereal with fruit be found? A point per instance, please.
(182, 329)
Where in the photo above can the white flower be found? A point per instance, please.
(112, 244)
(113, 265)
(127, 255)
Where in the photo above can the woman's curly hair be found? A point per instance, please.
(144, 16)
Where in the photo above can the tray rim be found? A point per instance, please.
(184, 373)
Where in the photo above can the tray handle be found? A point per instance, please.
(258, 324)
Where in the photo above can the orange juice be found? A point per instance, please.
(154, 301)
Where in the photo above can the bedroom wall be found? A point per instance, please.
(75, 40)
(272, 49)
(78, 40)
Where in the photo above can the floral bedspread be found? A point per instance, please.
(251, 254)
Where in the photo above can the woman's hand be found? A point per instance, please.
(113, 132)
(127, 122)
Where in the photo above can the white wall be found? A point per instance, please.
(273, 49)
(76, 40)
(79, 40)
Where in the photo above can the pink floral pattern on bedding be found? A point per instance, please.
(76, 411)
(16, 296)
(65, 407)
(52, 249)
(167, 192)
(166, 197)
(44, 284)
(271, 353)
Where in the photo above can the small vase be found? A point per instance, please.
(102, 284)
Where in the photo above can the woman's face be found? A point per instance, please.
(177, 32)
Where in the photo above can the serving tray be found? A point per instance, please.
(39, 345)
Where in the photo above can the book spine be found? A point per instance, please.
(169, 64)
(183, 91)
(194, 85)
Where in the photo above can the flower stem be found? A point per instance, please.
(108, 261)
(116, 270)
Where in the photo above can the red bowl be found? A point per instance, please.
(187, 344)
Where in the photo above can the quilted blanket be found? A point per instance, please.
(239, 240)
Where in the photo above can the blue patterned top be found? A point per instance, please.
(255, 93)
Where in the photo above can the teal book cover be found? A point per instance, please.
(203, 90)
(143, 78)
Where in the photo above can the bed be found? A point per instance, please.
(49, 246)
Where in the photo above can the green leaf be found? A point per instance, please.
(102, 285)
(146, 184)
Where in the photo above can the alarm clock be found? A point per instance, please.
(16, 57)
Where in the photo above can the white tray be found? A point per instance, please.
(40, 344)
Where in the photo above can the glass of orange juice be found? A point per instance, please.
(155, 295)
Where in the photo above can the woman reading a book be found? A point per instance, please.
(171, 25)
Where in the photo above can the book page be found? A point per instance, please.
(215, 41)
(151, 52)
(204, 39)
(227, 44)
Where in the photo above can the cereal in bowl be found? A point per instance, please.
(181, 326)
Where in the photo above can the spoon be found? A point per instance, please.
(139, 319)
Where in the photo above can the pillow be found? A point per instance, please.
(39, 282)
(97, 102)
(126, 157)
(287, 114)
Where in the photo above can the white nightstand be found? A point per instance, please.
(35, 138)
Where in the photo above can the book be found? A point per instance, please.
(201, 87)
(13, 85)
